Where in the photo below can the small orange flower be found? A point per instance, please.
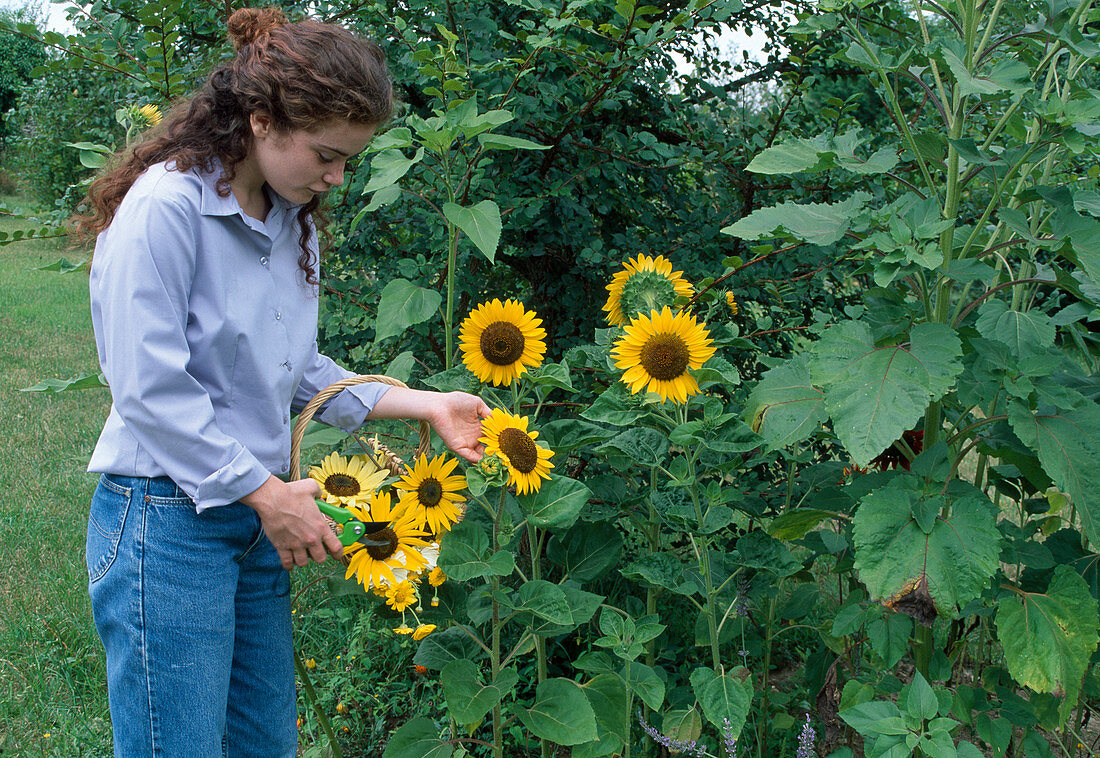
(420, 669)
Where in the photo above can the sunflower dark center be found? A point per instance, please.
(430, 492)
(665, 356)
(521, 450)
(381, 545)
(502, 343)
(342, 485)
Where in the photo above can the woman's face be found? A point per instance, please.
(303, 163)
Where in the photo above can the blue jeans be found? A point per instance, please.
(194, 612)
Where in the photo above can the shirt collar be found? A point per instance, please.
(213, 204)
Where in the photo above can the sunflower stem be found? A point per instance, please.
(311, 695)
(703, 555)
(498, 727)
(540, 642)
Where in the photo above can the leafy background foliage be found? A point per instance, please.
(901, 197)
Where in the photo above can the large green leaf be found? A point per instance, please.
(1024, 332)
(1048, 638)
(724, 696)
(820, 153)
(1068, 446)
(388, 167)
(452, 644)
(785, 407)
(557, 503)
(540, 599)
(465, 554)
(561, 713)
(467, 698)
(874, 394)
(587, 551)
(817, 223)
(645, 447)
(645, 684)
(402, 305)
(481, 223)
(916, 559)
(418, 738)
(607, 694)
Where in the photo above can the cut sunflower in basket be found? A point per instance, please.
(347, 481)
(376, 560)
(431, 492)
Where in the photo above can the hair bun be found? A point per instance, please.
(248, 24)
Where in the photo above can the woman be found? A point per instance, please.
(204, 305)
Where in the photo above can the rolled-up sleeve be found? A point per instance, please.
(348, 409)
(141, 280)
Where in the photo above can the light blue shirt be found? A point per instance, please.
(207, 334)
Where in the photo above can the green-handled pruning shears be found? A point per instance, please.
(352, 530)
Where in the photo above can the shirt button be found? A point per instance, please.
(286, 419)
(286, 468)
(263, 261)
(278, 315)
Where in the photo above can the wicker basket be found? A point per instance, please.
(395, 464)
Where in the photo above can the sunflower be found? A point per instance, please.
(390, 550)
(423, 631)
(345, 481)
(437, 577)
(400, 596)
(644, 284)
(501, 340)
(151, 114)
(430, 492)
(657, 351)
(403, 629)
(507, 436)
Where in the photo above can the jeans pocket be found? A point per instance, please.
(106, 519)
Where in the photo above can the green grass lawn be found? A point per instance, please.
(53, 700)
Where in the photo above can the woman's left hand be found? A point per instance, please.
(456, 418)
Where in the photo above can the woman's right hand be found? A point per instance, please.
(291, 520)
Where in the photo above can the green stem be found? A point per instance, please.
(921, 646)
(540, 642)
(311, 696)
(498, 726)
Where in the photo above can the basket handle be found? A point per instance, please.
(423, 448)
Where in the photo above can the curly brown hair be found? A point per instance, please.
(303, 75)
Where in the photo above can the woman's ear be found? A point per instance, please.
(261, 124)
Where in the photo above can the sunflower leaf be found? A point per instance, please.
(874, 394)
(465, 554)
(561, 713)
(925, 573)
(608, 696)
(481, 223)
(1068, 446)
(785, 407)
(557, 503)
(468, 699)
(587, 551)
(724, 696)
(1048, 638)
(418, 738)
(404, 304)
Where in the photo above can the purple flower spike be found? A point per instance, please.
(806, 741)
(687, 747)
(729, 738)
